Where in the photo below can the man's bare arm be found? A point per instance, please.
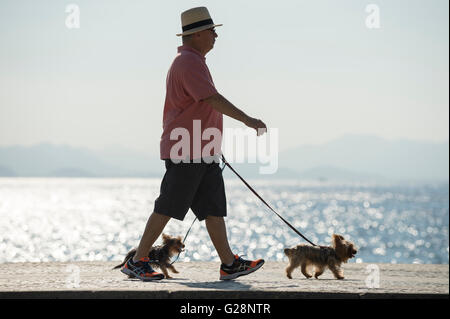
(222, 105)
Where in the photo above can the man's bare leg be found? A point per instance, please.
(218, 233)
(155, 226)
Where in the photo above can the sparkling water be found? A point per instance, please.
(70, 219)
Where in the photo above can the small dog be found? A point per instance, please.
(321, 257)
(160, 255)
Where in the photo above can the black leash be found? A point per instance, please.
(257, 195)
(184, 240)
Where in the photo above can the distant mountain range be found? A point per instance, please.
(349, 158)
(372, 156)
(66, 161)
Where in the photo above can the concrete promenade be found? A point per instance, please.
(201, 280)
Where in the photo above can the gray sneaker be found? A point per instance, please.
(240, 267)
(141, 270)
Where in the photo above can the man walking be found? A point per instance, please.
(193, 179)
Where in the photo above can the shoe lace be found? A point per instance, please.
(242, 261)
(239, 257)
(145, 263)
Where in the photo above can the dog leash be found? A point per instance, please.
(257, 195)
(187, 233)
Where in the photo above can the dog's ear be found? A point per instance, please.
(336, 240)
(165, 237)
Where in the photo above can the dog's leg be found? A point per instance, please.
(172, 268)
(290, 268)
(304, 272)
(293, 263)
(319, 271)
(165, 272)
(336, 270)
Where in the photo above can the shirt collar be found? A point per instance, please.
(188, 48)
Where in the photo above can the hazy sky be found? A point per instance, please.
(312, 69)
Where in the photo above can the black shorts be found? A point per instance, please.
(198, 186)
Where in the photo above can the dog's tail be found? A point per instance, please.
(288, 251)
(130, 254)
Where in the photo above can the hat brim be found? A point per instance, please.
(195, 30)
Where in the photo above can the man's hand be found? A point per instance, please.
(221, 104)
(258, 125)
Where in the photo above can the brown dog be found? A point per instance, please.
(321, 257)
(160, 255)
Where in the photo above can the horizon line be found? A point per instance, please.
(129, 148)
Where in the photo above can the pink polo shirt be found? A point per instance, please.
(186, 116)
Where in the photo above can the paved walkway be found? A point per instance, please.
(201, 280)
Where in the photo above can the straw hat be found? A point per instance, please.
(195, 20)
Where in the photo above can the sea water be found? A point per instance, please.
(84, 219)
